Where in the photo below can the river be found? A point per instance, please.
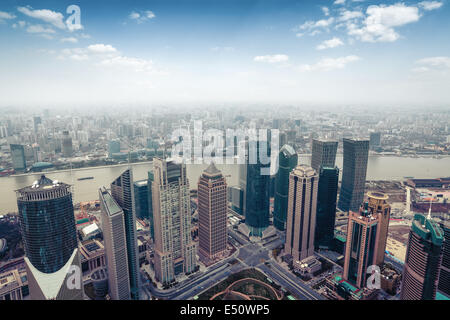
(379, 168)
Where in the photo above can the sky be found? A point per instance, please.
(330, 52)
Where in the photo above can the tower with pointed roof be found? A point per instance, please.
(212, 214)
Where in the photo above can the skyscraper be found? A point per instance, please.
(115, 242)
(323, 154)
(141, 194)
(123, 193)
(287, 160)
(423, 259)
(113, 147)
(150, 203)
(256, 187)
(49, 235)
(175, 252)
(67, 148)
(356, 155)
(212, 214)
(18, 157)
(378, 205)
(444, 275)
(326, 207)
(301, 214)
(361, 247)
(375, 139)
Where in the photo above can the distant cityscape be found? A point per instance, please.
(224, 158)
(308, 231)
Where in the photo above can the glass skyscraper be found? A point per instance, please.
(287, 160)
(423, 259)
(18, 157)
(257, 187)
(49, 235)
(356, 155)
(123, 193)
(326, 207)
(141, 199)
(323, 154)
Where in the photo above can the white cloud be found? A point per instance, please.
(313, 27)
(142, 16)
(101, 48)
(328, 64)
(69, 39)
(37, 28)
(437, 62)
(6, 16)
(332, 43)
(276, 58)
(346, 15)
(381, 20)
(430, 5)
(52, 17)
(135, 64)
(326, 11)
(339, 2)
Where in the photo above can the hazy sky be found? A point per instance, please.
(321, 51)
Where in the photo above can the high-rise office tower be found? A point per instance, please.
(378, 205)
(49, 235)
(175, 252)
(115, 242)
(423, 259)
(212, 214)
(444, 275)
(287, 160)
(361, 247)
(18, 157)
(36, 122)
(66, 142)
(150, 203)
(123, 192)
(375, 139)
(113, 147)
(255, 182)
(141, 194)
(323, 154)
(326, 207)
(356, 155)
(301, 214)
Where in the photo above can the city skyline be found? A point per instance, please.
(135, 52)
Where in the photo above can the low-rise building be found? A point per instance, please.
(11, 285)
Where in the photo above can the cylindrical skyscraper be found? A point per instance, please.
(423, 259)
(287, 160)
(49, 235)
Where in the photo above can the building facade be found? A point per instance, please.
(115, 242)
(444, 275)
(326, 207)
(18, 157)
(301, 214)
(378, 205)
(423, 259)
(255, 182)
(175, 252)
(49, 235)
(212, 214)
(323, 154)
(123, 193)
(356, 155)
(141, 199)
(361, 247)
(287, 160)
